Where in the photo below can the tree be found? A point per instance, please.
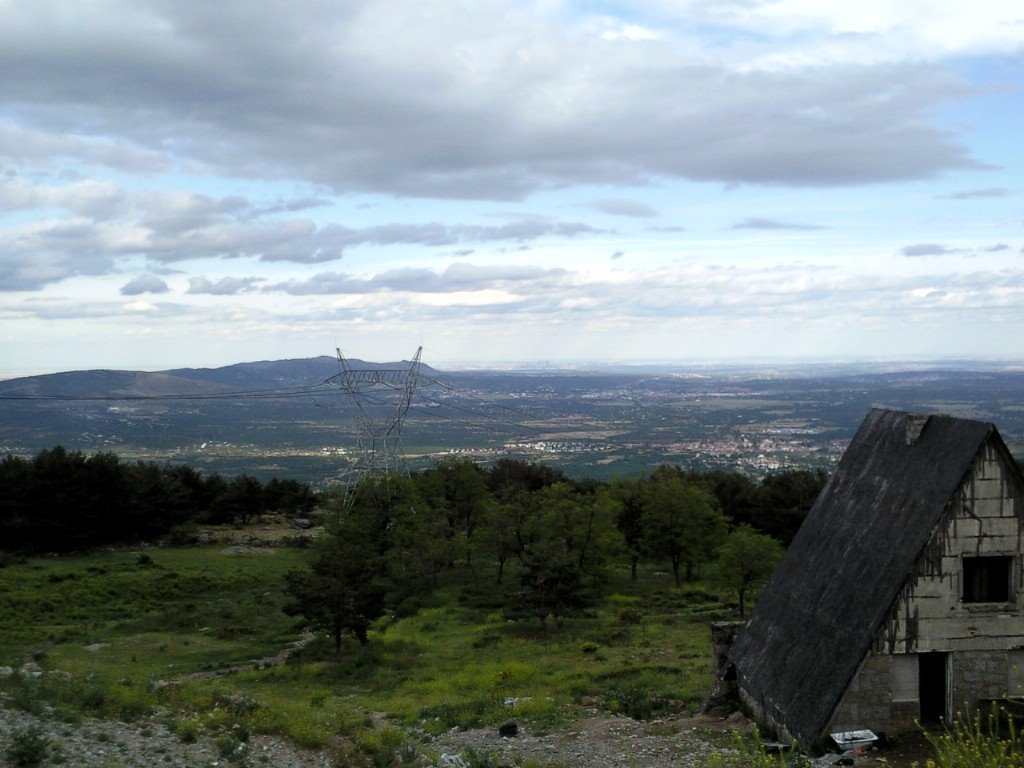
(457, 488)
(241, 500)
(564, 540)
(499, 533)
(633, 495)
(354, 564)
(747, 559)
(509, 478)
(342, 591)
(288, 496)
(578, 526)
(783, 500)
(736, 494)
(682, 522)
(552, 585)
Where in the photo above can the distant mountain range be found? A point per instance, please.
(262, 375)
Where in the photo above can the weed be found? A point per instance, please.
(386, 748)
(93, 696)
(978, 743)
(476, 758)
(28, 747)
(187, 731)
(633, 700)
(750, 752)
(486, 639)
(231, 748)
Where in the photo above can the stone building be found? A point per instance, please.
(901, 596)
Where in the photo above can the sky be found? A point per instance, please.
(509, 181)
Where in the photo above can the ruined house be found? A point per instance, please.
(900, 598)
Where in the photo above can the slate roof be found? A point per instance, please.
(816, 619)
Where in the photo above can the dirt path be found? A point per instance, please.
(274, 660)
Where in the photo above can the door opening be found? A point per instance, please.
(933, 681)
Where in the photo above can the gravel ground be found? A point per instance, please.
(596, 741)
(93, 743)
(601, 741)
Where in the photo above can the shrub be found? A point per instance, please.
(633, 700)
(29, 747)
(629, 614)
(26, 693)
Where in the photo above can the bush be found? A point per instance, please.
(28, 747)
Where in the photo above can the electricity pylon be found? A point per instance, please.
(380, 399)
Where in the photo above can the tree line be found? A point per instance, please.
(63, 501)
(548, 539)
(396, 535)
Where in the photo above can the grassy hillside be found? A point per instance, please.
(193, 633)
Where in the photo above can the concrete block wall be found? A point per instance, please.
(929, 615)
(984, 518)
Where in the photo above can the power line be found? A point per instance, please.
(255, 394)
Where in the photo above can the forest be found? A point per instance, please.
(388, 541)
(63, 501)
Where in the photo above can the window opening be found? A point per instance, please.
(987, 579)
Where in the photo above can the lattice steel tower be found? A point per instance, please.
(380, 399)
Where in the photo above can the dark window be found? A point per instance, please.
(987, 579)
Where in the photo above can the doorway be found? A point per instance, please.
(933, 686)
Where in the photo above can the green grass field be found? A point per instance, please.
(184, 631)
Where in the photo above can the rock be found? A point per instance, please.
(302, 523)
(6, 671)
(508, 730)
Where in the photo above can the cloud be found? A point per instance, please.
(976, 194)
(625, 208)
(459, 277)
(448, 100)
(103, 223)
(290, 206)
(926, 249)
(996, 248)
(758, 223)
(75, 310)
(226, 286)
(145, 284)
(617, 255)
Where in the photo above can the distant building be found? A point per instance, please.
(901, 596)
